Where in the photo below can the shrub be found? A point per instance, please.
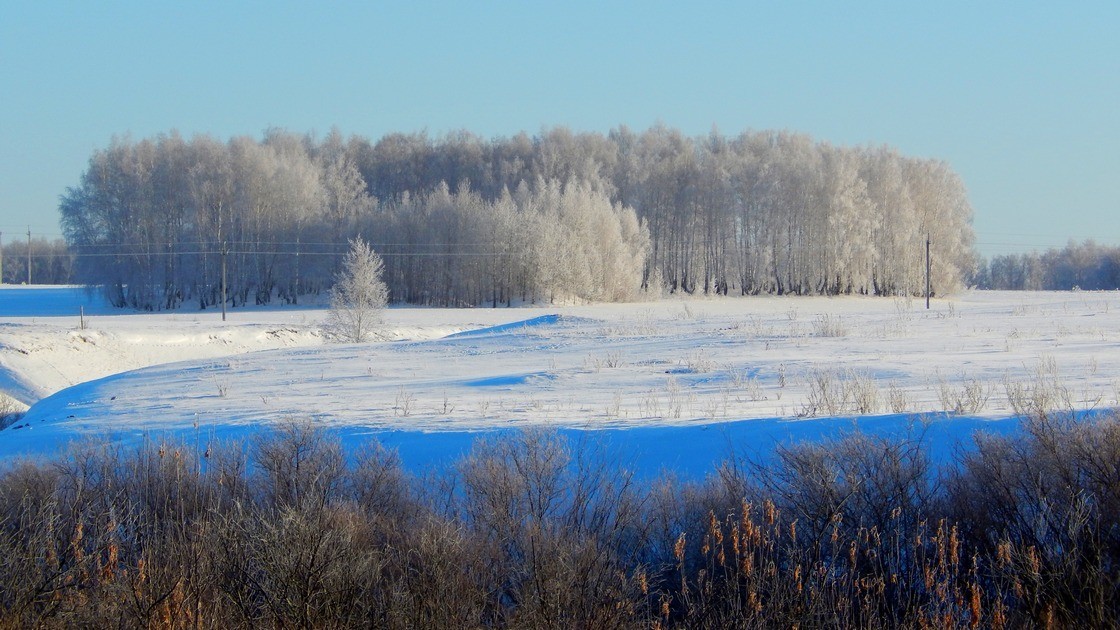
(530, 530)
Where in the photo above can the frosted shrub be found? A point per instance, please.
(742, 381)
(838, 392)
(969, 397)
(1044, 395)
(829, 326)
(700, 363)
(676, 402)
(897, 399)
(611, 359)
(827, 396)
(404, 403)
(863, 393)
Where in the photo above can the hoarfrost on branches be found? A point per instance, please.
(358, 296)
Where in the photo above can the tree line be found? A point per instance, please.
(460, 220)
(50, 261)
(1087, 266)
(529, 530)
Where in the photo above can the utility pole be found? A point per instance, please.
(295, 292)
(29, 255)
(224, 250)
(927, 271)
(1, 257)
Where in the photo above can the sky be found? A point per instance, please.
(1020, 98)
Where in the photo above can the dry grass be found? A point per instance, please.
(834, 392)
(829, 326)
(966, 397)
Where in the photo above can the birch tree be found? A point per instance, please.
(358, 296)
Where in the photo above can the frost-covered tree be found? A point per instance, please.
(358, 296)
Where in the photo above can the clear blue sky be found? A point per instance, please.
(1022, 98)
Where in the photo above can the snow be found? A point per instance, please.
(678, 383)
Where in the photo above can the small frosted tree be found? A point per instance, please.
(359, 294)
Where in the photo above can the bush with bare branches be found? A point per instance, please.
(534, 530)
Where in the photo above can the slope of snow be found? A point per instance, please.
(696, 366)
(43, 348)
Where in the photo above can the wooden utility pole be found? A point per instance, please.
(29, 255)
(1, 258)
(224, 250)
(927, 271)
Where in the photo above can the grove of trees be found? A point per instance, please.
(51, 262)
(1086, 266)
(460, 220)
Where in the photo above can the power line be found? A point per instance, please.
(265, 253)
(292, 243)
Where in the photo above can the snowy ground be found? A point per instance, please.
(675, 368)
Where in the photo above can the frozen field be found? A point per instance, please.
(695, 375)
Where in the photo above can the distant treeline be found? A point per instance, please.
(462, 221)
(1086, 266)
(50, 261)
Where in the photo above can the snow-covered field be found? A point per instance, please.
(737, 370)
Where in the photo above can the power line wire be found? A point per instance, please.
(265, 253)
